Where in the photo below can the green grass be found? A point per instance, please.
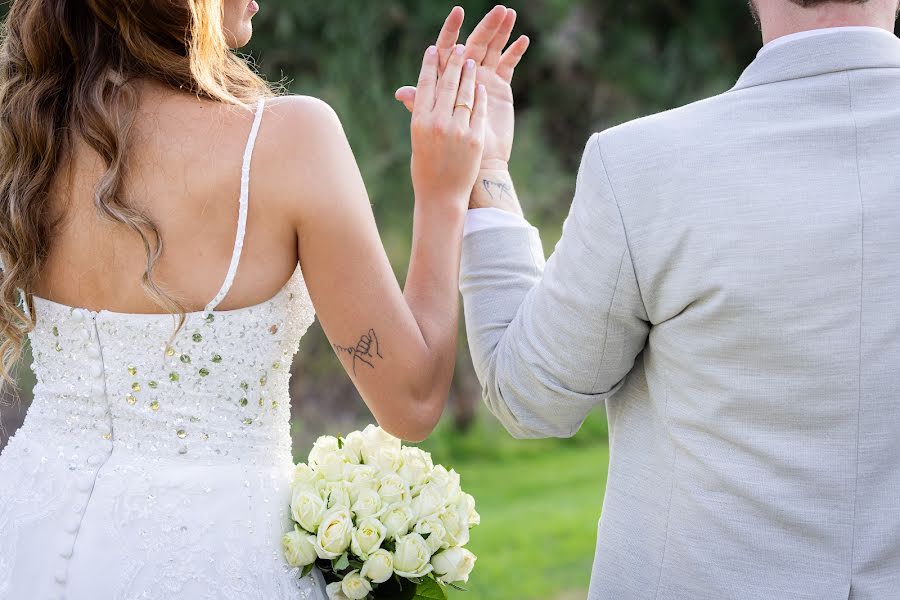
(538, 522)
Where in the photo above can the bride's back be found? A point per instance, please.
(183, 171)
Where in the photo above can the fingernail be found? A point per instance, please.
(481, 88)
(432, 50)
(460, 49)
(470, 64)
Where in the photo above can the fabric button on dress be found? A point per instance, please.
(97, 370)
(66, 550)
(95, 459)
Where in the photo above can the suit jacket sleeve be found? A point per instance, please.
(550, 342)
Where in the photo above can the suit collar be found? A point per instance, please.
(836, 51)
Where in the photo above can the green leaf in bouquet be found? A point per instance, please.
(342, 563)
(340, 443)
(430, 589)
(306, 571)
(457, 587)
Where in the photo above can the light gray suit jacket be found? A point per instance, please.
(728, 283)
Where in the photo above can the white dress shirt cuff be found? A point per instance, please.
(478, 219)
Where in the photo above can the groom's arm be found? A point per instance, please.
(550, 342)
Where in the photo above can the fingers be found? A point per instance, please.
(479, 117)
(427, 87)
(501, 38)
(510, 59)
(480, 39)
(464, 109)
(406, 95)
(449, 35)
(448, 87)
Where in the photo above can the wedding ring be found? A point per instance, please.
(464, 105)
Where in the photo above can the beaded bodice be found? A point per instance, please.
(217, 391)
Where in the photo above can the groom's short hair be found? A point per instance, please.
(808, 3)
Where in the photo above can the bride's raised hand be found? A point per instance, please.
(487, 46)
(448, 130)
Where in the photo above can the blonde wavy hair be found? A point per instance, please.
(67, 72)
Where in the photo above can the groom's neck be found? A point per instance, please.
(779, 18)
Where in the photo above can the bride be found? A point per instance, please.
(157, 203)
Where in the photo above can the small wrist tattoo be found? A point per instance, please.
(497, 190)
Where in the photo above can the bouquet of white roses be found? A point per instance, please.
(379, 519)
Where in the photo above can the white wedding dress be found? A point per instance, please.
(150, 469)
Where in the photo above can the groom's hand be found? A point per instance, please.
(495, 71)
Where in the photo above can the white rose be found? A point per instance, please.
(452, 490)
(417, 465)
(367, 537)
(355, 586)
(307, 508)
(299, 548)
(304, 475)
(335, 494)
(323, 447)
(379, 567)
(432, 529)
(393, 490)
(363, 477)
(376, 438)
(368, 504)
(457, 527)
(454, 564)
(412, 557)
(353, 447)
(386, 460)
(397, 519)
(427, 503)
(466, 508)
(335, 534)
(335, 592)
(332, 467)
(446, 481)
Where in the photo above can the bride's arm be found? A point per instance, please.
(398, 347)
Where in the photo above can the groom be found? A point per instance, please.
(728, 284)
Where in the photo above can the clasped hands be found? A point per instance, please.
(496, 64)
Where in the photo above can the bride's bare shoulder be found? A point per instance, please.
(306, 150)
(310, 117)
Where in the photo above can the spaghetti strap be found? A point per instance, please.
(242, 212)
